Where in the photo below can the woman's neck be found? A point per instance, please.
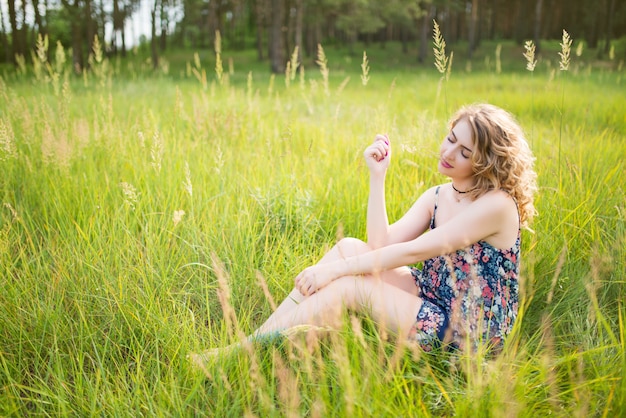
(462, 186)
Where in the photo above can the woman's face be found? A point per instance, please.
(456, 151)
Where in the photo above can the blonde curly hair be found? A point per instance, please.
(501, 158)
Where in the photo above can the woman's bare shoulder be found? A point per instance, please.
(498, 197)
(428, 197)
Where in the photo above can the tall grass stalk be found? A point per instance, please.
(531, 63)
(566, 45)
(365, 70)
(441, 60)
(322, 62)
(217, 46)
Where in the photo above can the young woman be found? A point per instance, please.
(466, 233)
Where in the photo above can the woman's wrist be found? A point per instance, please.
(340, 268)
(377, 176)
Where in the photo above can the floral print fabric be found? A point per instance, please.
(430, 327)
(477, 288)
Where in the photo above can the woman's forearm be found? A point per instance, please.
(378, 260)
(377, 222)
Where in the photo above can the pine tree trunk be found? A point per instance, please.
(41, 28)
(260, 23)
(77, 46)
(163, 38)
(520, 21)
(537, 29)
(23, 32)
(473, 29)
(299, 27)
(425, 30)
(5, 41)
(89, 24)
(609, 26)
(123, 36)
(153, 39)
(277, 43)
(15, 45)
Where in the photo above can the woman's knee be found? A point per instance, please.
(348, 247)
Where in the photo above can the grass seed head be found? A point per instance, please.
(187, 183)
(294, 63)
(566, 46)
(196, 61)
(7, 141)
(218, 42)
(531, 62)
(288, 74)
(156, 152)
(322, 61)
(42, 48)
(498, 61)
(365, 70)
(579, 49)
(441, 61)
(59, 58)
(178, 216)
(219, 69)
(131, 197)
(97, 49)
(14, 214)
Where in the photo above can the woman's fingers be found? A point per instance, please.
(302, 284)
(382, 137)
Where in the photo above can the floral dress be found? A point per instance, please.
(470, 296)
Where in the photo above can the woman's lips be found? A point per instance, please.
(445, 164)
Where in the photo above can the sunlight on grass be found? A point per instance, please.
(145, 217)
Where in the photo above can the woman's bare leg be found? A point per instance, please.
(347, 247)
(386, 303)
(391, 299)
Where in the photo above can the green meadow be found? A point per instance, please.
(149, 214)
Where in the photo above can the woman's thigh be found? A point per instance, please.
(388, 304)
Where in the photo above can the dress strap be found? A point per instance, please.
(432, 219)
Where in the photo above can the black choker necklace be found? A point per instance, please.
(457, 190)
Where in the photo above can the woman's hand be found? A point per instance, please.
(313, 278)
(378, 155)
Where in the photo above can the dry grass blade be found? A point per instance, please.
(223, 295)
(266, 290)
(557, 273)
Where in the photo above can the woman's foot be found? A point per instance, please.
(201, 360)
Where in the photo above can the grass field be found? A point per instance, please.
(141, 212)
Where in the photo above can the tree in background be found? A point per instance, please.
(278, 26)
(74, 10)
(3, 36)
(15, 44)
(358, 17)
(277, 53)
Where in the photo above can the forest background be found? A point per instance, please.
(274, 27)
